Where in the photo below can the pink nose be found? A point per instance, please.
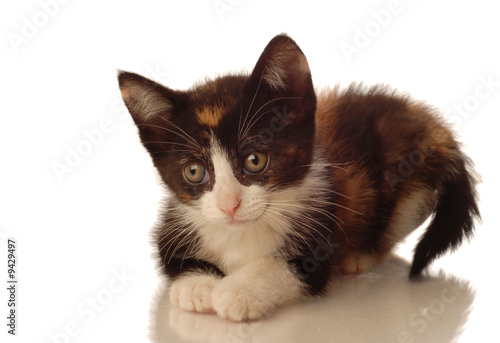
(230, 205)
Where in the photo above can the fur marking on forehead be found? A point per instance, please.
(210, 116)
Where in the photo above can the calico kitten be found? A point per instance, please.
(274, 189)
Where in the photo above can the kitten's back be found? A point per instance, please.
(397, 163)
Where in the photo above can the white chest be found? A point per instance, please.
(231, 248)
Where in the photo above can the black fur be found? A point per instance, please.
(453, 220)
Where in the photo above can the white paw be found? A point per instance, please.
(239, 302)
(193, 292)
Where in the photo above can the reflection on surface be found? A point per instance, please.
(378, 306)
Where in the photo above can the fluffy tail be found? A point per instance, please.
(453, 220)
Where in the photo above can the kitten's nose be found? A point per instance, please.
(229, 205)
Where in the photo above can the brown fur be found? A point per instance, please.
(410, 142)
(210, 116)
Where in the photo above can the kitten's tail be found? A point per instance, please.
(454, 217)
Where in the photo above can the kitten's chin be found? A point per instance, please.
(239, 223)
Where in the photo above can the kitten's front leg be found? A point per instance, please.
(256, 289)
(193, 291)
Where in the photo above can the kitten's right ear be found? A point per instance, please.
(282, 77)
(146, 100)
(283, 67)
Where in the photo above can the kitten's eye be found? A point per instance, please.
(195, 173)
(255, 163)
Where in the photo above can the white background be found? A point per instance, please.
(79, 227)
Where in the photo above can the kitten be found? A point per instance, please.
(275, 189)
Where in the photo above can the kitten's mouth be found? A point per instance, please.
(237, 222)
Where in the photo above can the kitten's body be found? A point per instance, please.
(282, 190)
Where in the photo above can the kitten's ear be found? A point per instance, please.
(146, 100)
(152, 107)
(282, 79)
(283, 67)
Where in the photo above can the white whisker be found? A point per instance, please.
(310, 207)
(252, 121)
(251, 105)
(280, 218)
(186, 136)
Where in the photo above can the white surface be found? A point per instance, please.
(83, 235)
(378, 306)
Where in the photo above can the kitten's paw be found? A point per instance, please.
(357, 264)
(238, 302)
(193, 292)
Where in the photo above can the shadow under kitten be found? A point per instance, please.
(377, 306)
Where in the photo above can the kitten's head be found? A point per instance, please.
(235, 149)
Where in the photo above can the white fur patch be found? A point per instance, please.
(251, 293)
(256, 290)
(410, 213)
(193, 292)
